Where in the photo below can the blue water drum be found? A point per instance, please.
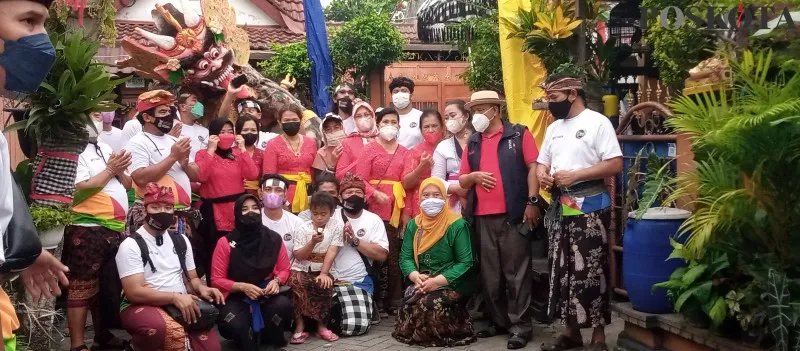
(645, 250)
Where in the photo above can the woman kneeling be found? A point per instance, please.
(249, 266)
(437, 258)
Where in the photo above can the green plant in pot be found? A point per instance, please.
(50, 222)
(59, 113)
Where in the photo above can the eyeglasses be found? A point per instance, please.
(364, 115)
(345, 92)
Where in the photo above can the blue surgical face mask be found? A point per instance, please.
(27, 62)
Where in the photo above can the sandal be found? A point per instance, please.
(328, 336)
(563, 342)
(299, 338)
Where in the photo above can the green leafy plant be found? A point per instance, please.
(366, 43)
(46, 218)
(289, 59)
(347, 10)
(783, 313)
(746, 143)
(699, 289)
(76, 86)
(546, 30)
(485, 71)
(657, 182)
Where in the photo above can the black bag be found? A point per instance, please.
(208, 312)
(21, 243)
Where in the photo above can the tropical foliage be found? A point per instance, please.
(289, 59)
(347, 10)
(45, 218)
(545, 30)
(485, 71)
(366, 43)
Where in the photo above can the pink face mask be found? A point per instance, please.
(108, 117)
(432, 138)
(226, 141)
(273, 200)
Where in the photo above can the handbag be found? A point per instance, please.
(21, 244)
(206, 321)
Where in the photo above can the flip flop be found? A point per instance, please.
(299, 338)
(328, 336)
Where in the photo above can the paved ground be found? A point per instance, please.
(380, 338)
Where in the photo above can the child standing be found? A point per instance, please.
(316, 244)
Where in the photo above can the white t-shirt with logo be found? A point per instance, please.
(112, 138)
(90, 165)
(263, 139)
(198, 137)
(284, 226)
(348, 265)
(148, 149)
(168, 276)
(332, 236)
(130, 129)
(410, 134)
(579, 142)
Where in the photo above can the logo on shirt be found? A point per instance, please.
(201, 138)
(413, 124)
(264, 144)
(580, 134)
(287, 237)
(361, 232)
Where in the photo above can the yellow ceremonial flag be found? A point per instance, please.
(522, 74)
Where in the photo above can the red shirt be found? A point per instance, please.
(375, 164)
(279, 158)
(494, 201)
(222, 258)
(223, 177)
(411, 162)
(258, 159)
(352, 146)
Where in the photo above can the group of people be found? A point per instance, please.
(260, 228)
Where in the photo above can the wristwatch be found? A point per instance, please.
(533, 200)
(355, 242)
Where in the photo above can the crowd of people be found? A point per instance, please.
(304, 226)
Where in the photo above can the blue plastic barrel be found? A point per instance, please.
(645, 250)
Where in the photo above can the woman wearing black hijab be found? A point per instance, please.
(250, 265)
(224, 167)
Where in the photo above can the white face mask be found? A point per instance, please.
(455, 125)
(401, 100)
(481, 122)
(432, 207)
(388, 133)
(98, 125)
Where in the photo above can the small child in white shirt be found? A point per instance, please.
(316, 244)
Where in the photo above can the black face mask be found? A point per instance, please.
(560, 109)
(291, 128)
(250, 138)
(346, 105)
(249, 221)
(160, 221)
(164, 124)
(354, 204)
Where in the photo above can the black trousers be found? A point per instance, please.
(235, 322)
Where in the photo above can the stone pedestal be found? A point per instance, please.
(646, 332)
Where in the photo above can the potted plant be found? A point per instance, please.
(50, 222)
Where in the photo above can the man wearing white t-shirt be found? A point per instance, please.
(343, 102)
(195, 132)
(161, 158)
(156, 278)
(402, 90)
(273, 190)
(110, 135)
(91, 241)
(366, 244)
(580, 150)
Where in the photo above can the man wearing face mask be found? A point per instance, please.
(402, 90)
(26, 56)
(499, 169)
(190, 111)
(161, 158)
(366, 244)
(273, 194)
(108, 134)
(580, 150)
(343, 102)
(155, 267)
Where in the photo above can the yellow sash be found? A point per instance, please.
(399, 199)
(251, 184)
(300, 201)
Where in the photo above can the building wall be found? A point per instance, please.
(435, 82)
(247, 13)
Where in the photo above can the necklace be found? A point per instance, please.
(295, 150)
